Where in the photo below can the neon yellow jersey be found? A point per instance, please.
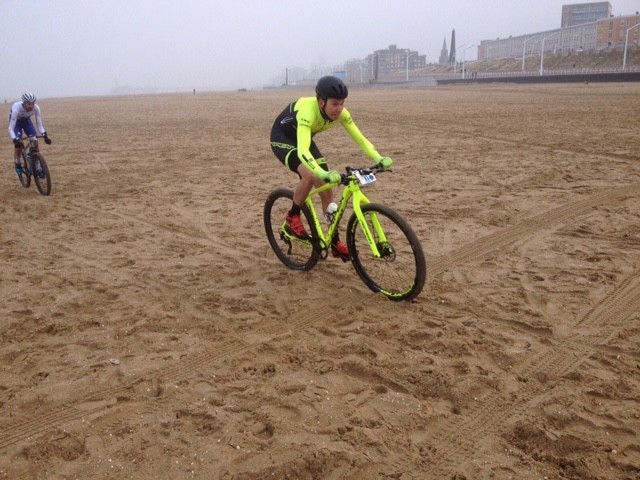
(309, 121)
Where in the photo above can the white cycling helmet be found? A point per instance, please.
(28, 98)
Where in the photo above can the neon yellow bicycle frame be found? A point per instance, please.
(352, 191)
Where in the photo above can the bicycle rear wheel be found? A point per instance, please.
(41, 173)
(401, 270)
(295, 253)
(25, 175)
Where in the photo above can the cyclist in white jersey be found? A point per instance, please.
(20, 121)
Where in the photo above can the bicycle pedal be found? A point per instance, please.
(343, 257)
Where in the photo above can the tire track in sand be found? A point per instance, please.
(494, 413)
(488, 415)
(485, 245)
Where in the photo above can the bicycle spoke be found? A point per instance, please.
(294, 252)
(41, 174)
(25, 175)
(399, 272)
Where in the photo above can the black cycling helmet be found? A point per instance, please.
(331, 87)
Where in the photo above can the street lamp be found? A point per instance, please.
(464, 58)
(524, 47)
(455, 59)
(542, 51)
(409, 55)
(626, 41)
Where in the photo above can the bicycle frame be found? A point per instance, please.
(34, 164)
(31, 146)
(383, 248)
(352, 191)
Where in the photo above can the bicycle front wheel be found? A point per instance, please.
(399, 273)
(41, 173)
(25, 174)
(295, 253)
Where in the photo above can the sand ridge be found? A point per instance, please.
(148, 331)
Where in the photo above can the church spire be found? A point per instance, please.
(444, 53)
(452, 53)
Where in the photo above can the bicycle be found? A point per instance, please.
(32, 163)
(384, 249)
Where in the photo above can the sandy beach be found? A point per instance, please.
(149, 332)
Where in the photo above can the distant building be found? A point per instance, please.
(581, 13)
(611, 32)
(394, 60)
(603, 34)
(444, 53)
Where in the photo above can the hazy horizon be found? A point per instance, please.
(79, 48)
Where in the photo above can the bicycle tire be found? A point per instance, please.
(297, 254)
(401, 272)
(25, 176)
(41, 174)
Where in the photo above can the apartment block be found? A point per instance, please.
(581, 13)
(615, 31)
(606, 33)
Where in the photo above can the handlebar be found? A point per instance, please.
(374, 168)
(32, 140)
(346, 177)
(29, 138)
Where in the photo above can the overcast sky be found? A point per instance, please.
(59, 48)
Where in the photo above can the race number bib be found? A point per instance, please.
(365, 179)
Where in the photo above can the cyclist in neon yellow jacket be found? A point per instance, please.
(292, 142)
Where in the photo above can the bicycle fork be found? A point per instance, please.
(372, 231)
